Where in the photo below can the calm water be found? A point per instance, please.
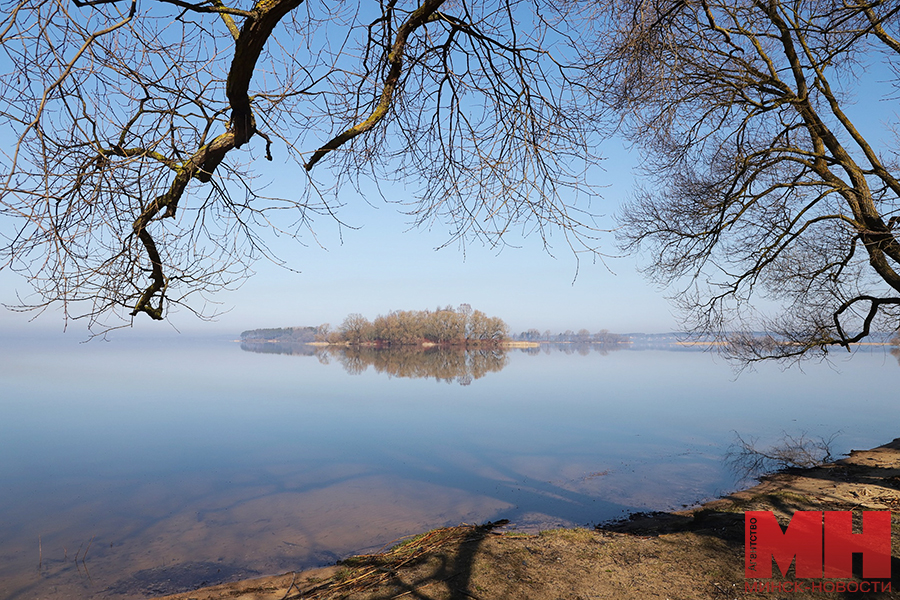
(174, 464)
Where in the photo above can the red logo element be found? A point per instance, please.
(818, 547)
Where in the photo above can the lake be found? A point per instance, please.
(163, 465)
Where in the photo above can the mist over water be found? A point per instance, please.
(189, 462)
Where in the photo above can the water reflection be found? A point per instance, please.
(580, 348)
(447, 364)
(749, 460)
(253, 464)
(291, 348)
(442, 364)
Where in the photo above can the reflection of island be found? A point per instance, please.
(582, 348)
(460, 364)
(265, 347)
(443, 364)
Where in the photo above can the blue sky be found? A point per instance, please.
(385, 265)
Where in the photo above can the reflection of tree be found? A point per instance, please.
(584, 348)
(454, 363)
(285, 335)
(748, 461)
(443, 364)
(446, 363)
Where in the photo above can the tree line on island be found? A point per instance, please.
(462, 326)
(459, 327)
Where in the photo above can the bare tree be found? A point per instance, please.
(748, 461)
(762, 184)
(130, 184)
(356, 329)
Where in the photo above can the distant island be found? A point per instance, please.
(466, 328)
(460, 327)
(459, 344)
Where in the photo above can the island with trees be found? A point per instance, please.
(461, 327)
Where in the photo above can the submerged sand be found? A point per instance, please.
(698, 553)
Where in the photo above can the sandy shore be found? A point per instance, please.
(691, 554)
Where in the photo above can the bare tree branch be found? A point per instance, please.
(132, 187)
(761, 186)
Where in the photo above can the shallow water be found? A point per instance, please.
(166, 465)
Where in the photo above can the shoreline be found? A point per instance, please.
(695, 553)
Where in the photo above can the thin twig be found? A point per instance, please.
(76, 557)
(293, 576)
(86, 551)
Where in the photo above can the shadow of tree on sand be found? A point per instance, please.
(443, 556)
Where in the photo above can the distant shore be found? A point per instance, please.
(645, 342)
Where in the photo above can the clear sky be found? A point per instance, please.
(384, 265)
